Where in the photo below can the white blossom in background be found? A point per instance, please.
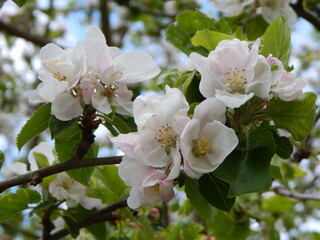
(284, 84)
(271, 9)
(91, 73)
(206, 141)
(231, 7)
(233, 73)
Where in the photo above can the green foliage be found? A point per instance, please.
(179, 34)
(277, 204)
(216, 192)
(228, 227)
(57, 127)
(296, 116)
(197, 200)
(209, 39)
(41, 160)
(72, 226)
(13, 203)
(247, 168)
(21, 3)
(276, 173)
(35, 125)
(276, 41)
(255, 27)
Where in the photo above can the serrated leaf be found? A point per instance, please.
(35, 125)
(255, 27)
(276, 41)
(57, 127)
(247, 168)
(209, 39)
(72, 226)
(184, 28)
(20, 3)
(14, 203)
(216, 192)
(296, 116)
(1, 159)
(66, 144)
(197, 200)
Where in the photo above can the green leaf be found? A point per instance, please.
(277, 204)
(121, 125)
(14, 203)
(187, 23)
(20, 3)
(57, 127)
(276, 41)
(1, 159)
(66, 144)
(146, 228)
(296, 116)
(276, 173)
(216, 192)
(35, 125)
(83, 175)
(247, 168)
(255, 27)
(41, 160)
(98, 230)
(227, 227)
(191, 88)
(197, 200)
(72, 226)
(284, 147)
(209, 39)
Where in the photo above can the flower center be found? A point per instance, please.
(165, 136)
(156, 188)
(110, 90)
(59, 77)
(200, 147)
(235, 79)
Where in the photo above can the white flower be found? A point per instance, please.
(205, 141)
(233, 73)
(271, 9)
(160, 122)
(43, 148)
(91, 73)
(65, 188)
(284, 84)
(154, 189)
(231, 7)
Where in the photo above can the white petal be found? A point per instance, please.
(93, 32)
(233, 100)
(139, 66)
(127, 143)
(101, 103)
(134, 197)
(65, 107)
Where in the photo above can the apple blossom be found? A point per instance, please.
(205, 140)
(231, 7)
(233, 73)
(91, 73)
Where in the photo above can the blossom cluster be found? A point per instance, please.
(169, 141)
(270, 9)
(92, 73)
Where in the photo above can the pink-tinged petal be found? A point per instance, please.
(127, 143)
(43, 148)
(66, 107)
(209, 110)
(174, 166)
(139, 66)
(89, 203)
(132, 172)
(233, 100)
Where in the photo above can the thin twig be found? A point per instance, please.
(57, 168)
(105, 21)
(37, 40)
(302, 12)
(300, 196)
(92, 218)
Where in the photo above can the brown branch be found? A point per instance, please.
(34, 176)
(302, 12)
(95, 217)
(37, 40)
(105, 21)
(300, 196)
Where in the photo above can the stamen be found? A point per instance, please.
(165, 135)
(110, 90)
(58, 77)
(200, 147)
